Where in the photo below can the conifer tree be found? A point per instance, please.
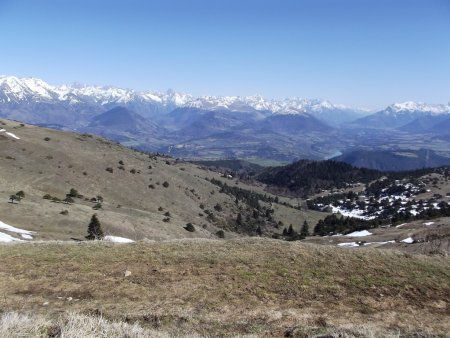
(305, 230)
(290, 231)
(94, 229)
(239, 219)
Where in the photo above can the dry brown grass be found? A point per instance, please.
(225, 288)
(73, 325)
(70, 160)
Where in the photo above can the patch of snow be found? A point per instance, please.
(400, 225)
(359, 233)
(408, 240)
(349, 245)
(428, 223)
(9, 134)
(117, 239)
(12, 135)
(10, 228)
(355, 213)
(8, 238)
(26, 236)
(381, 243)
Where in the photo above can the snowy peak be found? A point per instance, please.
(409, 107)
(408, 116)
(18, 89)
(14, 89)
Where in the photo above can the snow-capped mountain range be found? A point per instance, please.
(409, 106)
(17, 90)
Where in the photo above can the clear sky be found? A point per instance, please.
(367, 53)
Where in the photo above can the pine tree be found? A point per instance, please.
(305, 230)
(290, 231)
(94, 229)
(239, 219)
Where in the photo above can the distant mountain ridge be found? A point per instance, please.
(265, 131)
(14, 90)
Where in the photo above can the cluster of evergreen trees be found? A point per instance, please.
(307, 177)
(289, 234)
(334, 224)
(248, 197)
(17, 196)
(319, 202)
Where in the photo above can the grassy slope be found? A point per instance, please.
(240, 286)
(52, 167)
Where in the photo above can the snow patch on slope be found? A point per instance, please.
(362, 233)
(117, 239)
(8, 238)
(349, 245)
(10, 228)
(9, 134)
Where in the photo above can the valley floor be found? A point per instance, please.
(256, 287)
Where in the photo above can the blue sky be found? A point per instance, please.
(355, 52)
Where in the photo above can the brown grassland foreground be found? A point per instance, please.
(212, 288)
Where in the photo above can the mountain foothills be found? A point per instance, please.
(213, 127)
